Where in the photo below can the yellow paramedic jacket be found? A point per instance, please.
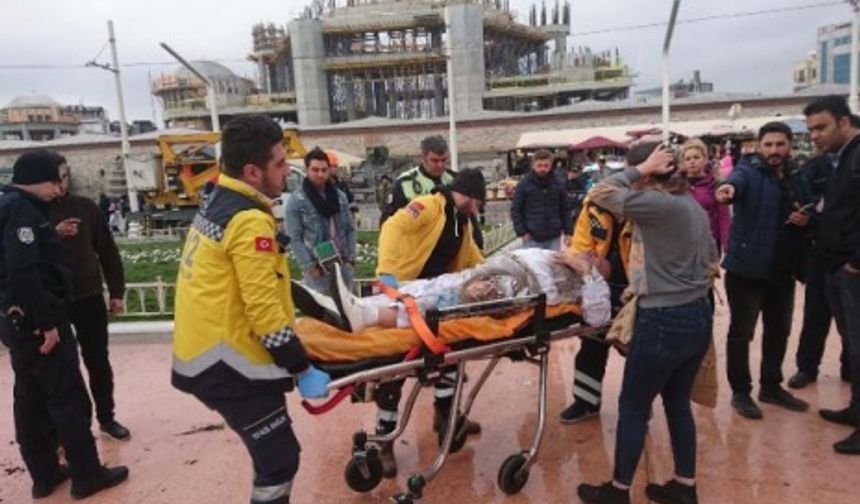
(593, 233)
(233, 310)
(407, 238)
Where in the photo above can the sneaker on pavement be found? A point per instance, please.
(745, 406)
(606, 493)
(116, 430)
(782, 398)
(578, 411)
(107, 477)
(672, 492)
(801, 379)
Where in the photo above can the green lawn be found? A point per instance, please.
(145, 262)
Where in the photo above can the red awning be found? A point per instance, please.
(599, 142)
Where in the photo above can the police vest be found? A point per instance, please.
(415, 183)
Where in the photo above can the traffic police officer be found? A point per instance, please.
(233, 346)
(432, 172)
(51, 403)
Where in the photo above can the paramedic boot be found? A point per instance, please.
(316, 305)
(389, 463)
(355, 316)
(386, 450)
(440, 419)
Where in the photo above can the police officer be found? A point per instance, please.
(427, 238)
(234, 348)
(51, 403)
(432, 172)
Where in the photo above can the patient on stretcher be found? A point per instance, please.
(563, 276)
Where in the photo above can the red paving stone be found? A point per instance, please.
(785, 458)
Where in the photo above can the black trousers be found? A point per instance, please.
(749, 297)
(262, 422)
(51, 405)
(589, 365)
(817, 318)
(90, 320)
(843, 293)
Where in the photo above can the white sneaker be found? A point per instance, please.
(348, 304)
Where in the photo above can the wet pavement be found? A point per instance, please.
(179, 452)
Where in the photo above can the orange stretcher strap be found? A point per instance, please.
(330, 404)
(418, 323)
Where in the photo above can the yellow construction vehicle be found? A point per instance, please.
(171, 181)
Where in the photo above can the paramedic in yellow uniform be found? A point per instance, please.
(430, 236)
(234, 348)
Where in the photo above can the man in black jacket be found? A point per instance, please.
(817, 317)
(51, 403)
(85, 235)
(540, 210)
(830, 126)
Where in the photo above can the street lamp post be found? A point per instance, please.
(666, 77)
(210, 93)
(452, 117)
(855, 34)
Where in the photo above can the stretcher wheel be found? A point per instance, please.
(360, 482)
(459, 435)
(511, 479)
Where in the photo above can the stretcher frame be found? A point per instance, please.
(364, 470)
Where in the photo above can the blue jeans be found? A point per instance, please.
(553, 244)
(667, 349)
(322, 283)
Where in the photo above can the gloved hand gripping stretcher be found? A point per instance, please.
(533, 298)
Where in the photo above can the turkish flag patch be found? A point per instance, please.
(264, 244)
(415, 208)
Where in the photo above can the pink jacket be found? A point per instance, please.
(718, 215)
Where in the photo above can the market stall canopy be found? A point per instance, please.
(567, 138)
(570, 138)
(599, 142)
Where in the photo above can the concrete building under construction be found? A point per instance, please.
(344, 60)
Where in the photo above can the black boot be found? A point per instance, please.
(744, 405)
(440, 419)
(606, 493)
(386, 450)
(843, 416)
(42, 489)
(107, 477)
(672, 492)
(782, 398)
(849, 445)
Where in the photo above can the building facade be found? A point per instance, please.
(346, 60)
(830, 62)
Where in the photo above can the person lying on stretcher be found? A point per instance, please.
(564, 277)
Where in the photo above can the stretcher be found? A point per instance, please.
(521, 329)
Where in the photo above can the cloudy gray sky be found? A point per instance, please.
(741, 54)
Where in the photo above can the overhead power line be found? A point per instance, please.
(614, 29)
(714, 17)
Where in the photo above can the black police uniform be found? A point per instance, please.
(51, 403)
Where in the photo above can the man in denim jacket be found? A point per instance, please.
(319, 212)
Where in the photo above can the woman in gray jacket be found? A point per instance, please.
(673, 260)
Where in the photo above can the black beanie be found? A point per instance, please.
(470, 182)
(36, 167)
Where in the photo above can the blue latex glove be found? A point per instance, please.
(313, 383)
(388, 280)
